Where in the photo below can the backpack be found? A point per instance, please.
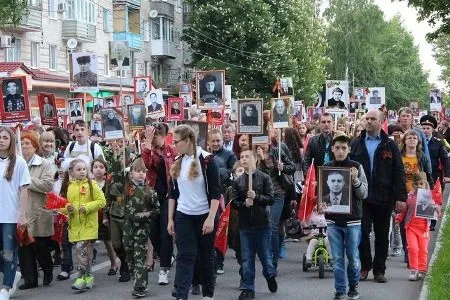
(72, 145)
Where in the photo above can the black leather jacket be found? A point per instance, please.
(256, 216)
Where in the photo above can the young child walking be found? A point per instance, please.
(84, 199)
(417, 230)
(141, 203)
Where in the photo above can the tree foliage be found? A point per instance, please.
(442, 54)
(376, 52)
(436, 12)
(257, 41)
(11, 11)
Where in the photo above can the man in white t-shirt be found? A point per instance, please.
(82, 146)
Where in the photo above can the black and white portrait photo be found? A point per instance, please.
(154, 101)
(83, 73)
(127, 100)
(47, 109)
(375, 98)
(435, 100)
(119, 54)
(185, 88)
(337, 94)
(112, 123)
(13, 95)
(298, 110)
(359, 94)
(210, 88)
(187, 99)
(98, 104)
(250, 118)
(281, 112)
(96, 128)
(287, 88)
(354, 105)
(76, 109)
(142, 86)
(425, 206)
(335, 190)
(109, 102)
(136, 116)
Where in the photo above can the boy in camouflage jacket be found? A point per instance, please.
(141, 203)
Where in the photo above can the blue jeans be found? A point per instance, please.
(346, 239)
(252, 242)
(275, 214)
(9, 250)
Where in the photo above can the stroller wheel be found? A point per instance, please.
(305, 266)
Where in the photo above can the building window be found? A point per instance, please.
(52, 53)
(146, 32)
(156, 29)
(121, 73)
(162, 27)
(34, 3)
(157, 73)
(67, 59)
(13, 54)
(52, 9)
(106, 65)
(107, 20)
(81, 10)
(35, 54)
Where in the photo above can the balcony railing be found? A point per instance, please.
(163, 48)
(130, 3)
(81, 31)
(31, 21)
(135, 41)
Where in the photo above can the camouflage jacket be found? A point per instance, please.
(141, 203)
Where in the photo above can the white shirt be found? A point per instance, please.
(10, 199)
(84, 149)
(229, 146)
(193, 199)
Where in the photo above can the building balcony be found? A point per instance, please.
(163, 8)
(163, 48)
(135, 41)
(31, 21)
(81, 31)
(129, 3)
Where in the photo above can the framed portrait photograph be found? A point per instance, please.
(175, 109)
(215, 116)
(96, 128)
(354, 105)
(210, 88)
(335, 190)
(313, 113)
(337, 94)
(98, 104)
(136, 116)
(287, 86)
(359, 113)
(185, 88)
(47, 109)
(201, 132)
(187, 99)
(75, 108)
(142, 86)
(155, 103)
(376, 97)
(435, 100)
(127, 99)
(250, 116)
(425, 206)
(111, 102)
(112, 123)
(359, 94)
(119, 55)
(281, 112)
(15, 104)
(83, 72)
(298, 110)
(61, 111)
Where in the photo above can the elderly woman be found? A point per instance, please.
(40, 220)
(48, 146)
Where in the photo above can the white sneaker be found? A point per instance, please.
(4, 295)
(17, 278)
(207, 298)
(413, 275)
(163, 277)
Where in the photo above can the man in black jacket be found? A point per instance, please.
(254, 229)
(319, 146)
(383, 166)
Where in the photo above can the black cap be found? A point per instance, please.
(209, 78)
(84, 60)
(428, 120)
(338, 90)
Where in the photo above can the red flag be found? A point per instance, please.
(309, 197)
(437, 192)
(55, 201)
(221, 241)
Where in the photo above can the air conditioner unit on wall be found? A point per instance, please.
(5, 41)
(62, 7)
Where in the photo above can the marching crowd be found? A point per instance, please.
(144, 197)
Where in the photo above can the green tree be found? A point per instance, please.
(11, 11)
(257, 41)
(442, 54)
(436, 12)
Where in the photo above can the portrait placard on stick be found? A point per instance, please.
(155, 104)
(250, 116)
(119, 53)
(215, 116)
(334, 190)
(425, 206)
(15, 105)
(136, 116)
(210, 88)
(112, 120)
(47, 109)
(337, 94)
(83, 72)
(281, 112)
(175, 110)
(75, 108)
(142, 86)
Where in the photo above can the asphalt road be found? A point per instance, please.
(293, 283)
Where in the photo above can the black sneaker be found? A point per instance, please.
(247, 294)
(272, 284)
(125, 277)
(139, 292)
(339, 296)
(353, 292)
(195, 289)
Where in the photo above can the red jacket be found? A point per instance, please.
(151, 160)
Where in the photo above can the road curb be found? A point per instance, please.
(437, 248)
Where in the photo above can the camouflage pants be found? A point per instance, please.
(85, 254)
(135, 236)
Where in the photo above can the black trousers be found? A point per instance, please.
(67, 261)
(380, 217)
(29, 255)
(190, 243)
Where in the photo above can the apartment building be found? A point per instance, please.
(40, 51)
